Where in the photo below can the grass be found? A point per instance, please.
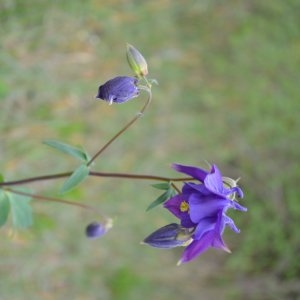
(228, 93)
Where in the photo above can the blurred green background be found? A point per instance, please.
(228, 93)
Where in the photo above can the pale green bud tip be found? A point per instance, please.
(136, 61)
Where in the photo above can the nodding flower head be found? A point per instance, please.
(201, 207)
(119, 89)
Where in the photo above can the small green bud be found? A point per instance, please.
(136, 61)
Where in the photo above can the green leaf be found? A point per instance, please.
(161, 199)
(169, 193)
(4, 207)
(162, 186)
(77, 177)
(68, 149)
(1, 178)
(21, 210)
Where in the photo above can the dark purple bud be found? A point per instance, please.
(96, 230)
(169, 236)
(119, 89)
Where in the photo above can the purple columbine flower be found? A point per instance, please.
(202, 206)
(119, 89)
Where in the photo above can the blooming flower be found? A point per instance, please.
(119, 89)
(202, 206)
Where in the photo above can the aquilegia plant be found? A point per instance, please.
(200, 204)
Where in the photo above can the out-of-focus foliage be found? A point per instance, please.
(228, 93)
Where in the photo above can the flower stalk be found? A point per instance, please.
(126, 127)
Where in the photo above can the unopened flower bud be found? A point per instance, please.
(169, 236)
(96, 230)
(136, 61)
(119, 89)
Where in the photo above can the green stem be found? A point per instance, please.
(175, 188)
(123, 129)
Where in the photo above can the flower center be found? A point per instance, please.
(184, 206)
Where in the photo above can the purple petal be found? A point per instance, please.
(215, 224)
(205, 225)
(191, 187)
(237, 206)
(209, 206)
(194, 249)
(213, 181)
(174, 206)
(228, 221)
(195, 172)
(219, 243)
(210, 238)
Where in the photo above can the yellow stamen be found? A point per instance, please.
(184, 206)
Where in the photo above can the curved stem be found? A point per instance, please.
(123, 129)
(96, 174)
